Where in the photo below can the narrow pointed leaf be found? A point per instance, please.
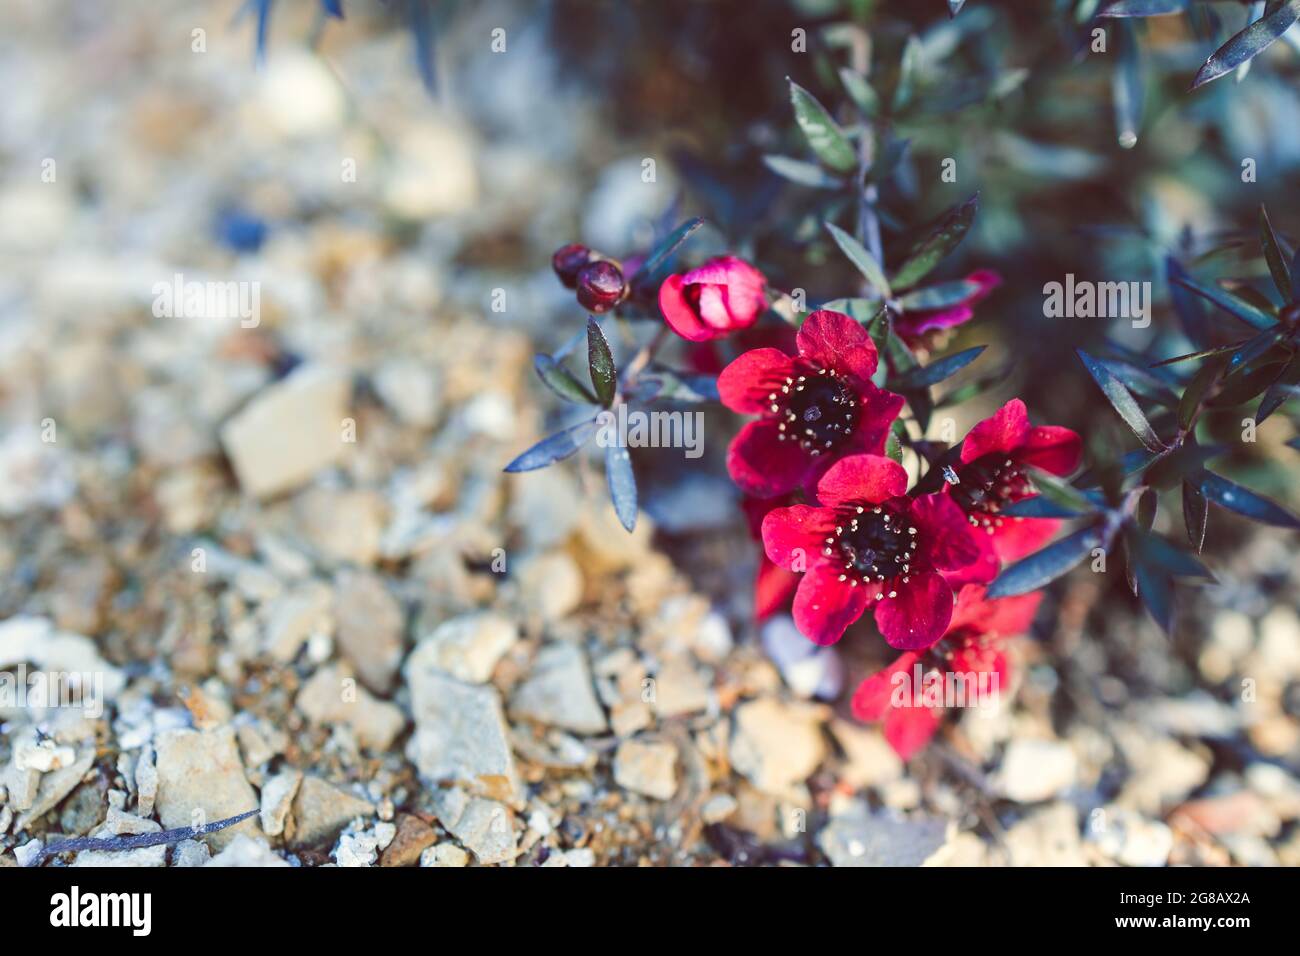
(622, 484)
(1142, 8)
(1234, 305)
(1122, 400)
(802, 173)
(1245, 502)
(1283, 390)
(1045, 566)
(938, 370)
(822, 132)
(661, 254)
(561, 381)
(936, 246)
(1155, 590)
(555, 448)
(1188, 308)
(939, 296)
(1185, 460)
(1155, 549)
(1196, 391)
(1249, 43)
(859, 256)
(860, 91)
(604, 376)
(1196, 515)
(1276, 256)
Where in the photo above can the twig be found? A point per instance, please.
(136, 840)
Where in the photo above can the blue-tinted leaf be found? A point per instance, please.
(934, 247)
(859, 256)
(805, 174)
(1286, 388)
(555, 448)
(859, 310)
(420, 22)
(1276, 255)
(622, 484)
(670, 386)
(1196, 515)
(1156, 591)
(1156, 550)
(1234, 305)
(1184, 460)
(1254, 348)
(823, 133)
(954, 7)
(1191, 315)
(1249, 42)
(561, 381)
(938, 370)
(1142, 8)
(939, 296)
(1045, 566)
(1122, 400)
(661, 254)
(1244, 501)
(604, 376)
(1038, 507)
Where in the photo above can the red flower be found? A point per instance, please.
(817, 406)
(975, 639)
(870, 545)
(993, 474)
(721, 296)
(913, 324)
(773, 586)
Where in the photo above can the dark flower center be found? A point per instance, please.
(816, 408)
(872, 544)
(987, 485)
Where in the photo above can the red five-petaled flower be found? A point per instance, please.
(868, 544)
(993, 474)
(817, 406)
(974, 655)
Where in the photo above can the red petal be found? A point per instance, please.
(861, 479)
(877, 411)
(794, 533)
(912, 325)
(773, 588)
(872, 699)
(745, 384)
(1005, 431)
(918, 614)
(763, 465)
(943, 533)
(1015, 539)
(909, 729)
(1052, 448)
(833, 340)
(1004, 617)
(824, 605)
(983, 569)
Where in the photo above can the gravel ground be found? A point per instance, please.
(285, 555)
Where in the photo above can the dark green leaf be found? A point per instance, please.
(1196, 514)
(938, 370)
(1038, 507)
(604, 376)
(1249, 42)
(1045, 566)
(1063, 493)
(859, 256)
(1244, 501)
(667, 385)
(1196, 391)
(1155, 549)
(1247, 384)
(1184, 460)
(1276, 256)
(662, 253)
(561, 381)
(1284, 389)
(1191, 314)
(823, 133)
(943, 240)
(805, 174)
(1254, 348)
(622, 484)
(1232, 304)
(1145, 513)
(1122, 400)
(1156, 591)
(555, 448)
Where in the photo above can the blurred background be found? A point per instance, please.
(392, 185)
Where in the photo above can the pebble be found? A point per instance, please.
(288, 431)
(410, 388)
(444, 854)
(559, 691)
(244, 851)
(1048, 836)
(486, 827)
(467, 647)
(201, 779)
(146, 781)
(331, 697)
(343, 526)
(356, 850)
(294, 616)
(412, 837)
(370, 626)
(321, 810)
(775, 744)
(190, 853)
(647, 767)
(277, 798)
(1034, 770)
(551, 586)
(1129, 838)
(718, 808)
(860, 838)
(460, 733)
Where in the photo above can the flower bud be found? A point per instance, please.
(568, 262)
(601, 286)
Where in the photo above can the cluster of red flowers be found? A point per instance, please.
(857, 539)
